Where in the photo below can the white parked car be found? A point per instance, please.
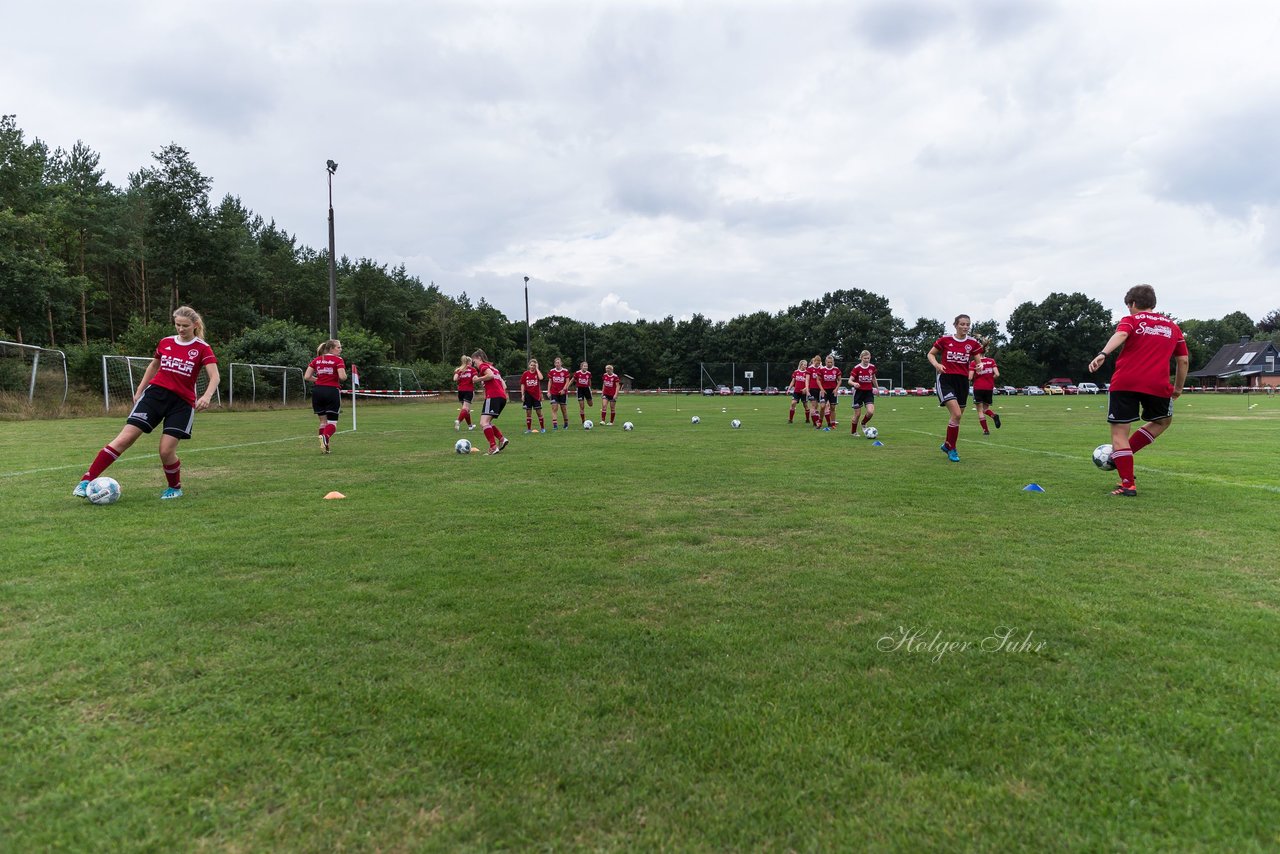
(1088, 388)
(1033, 390)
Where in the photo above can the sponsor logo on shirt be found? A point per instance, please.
(1161, 330)
(178, 365)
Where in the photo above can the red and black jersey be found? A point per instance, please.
(326, 369)
(557, 380)
(494, 386)
(465, 378)
(609, 384)
(863, 376)
(799, 379)
(530, 383)
(957, 353)
(984, 374)
(582, 378)
(1143, 364)
(829, 377)
(180, 363)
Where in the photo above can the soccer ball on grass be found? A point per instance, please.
(462, 446)
(695, 420)
(588, 424)
(735, 424)
(870, 432)
(103, 490)
(627, 425)
(1102, 458)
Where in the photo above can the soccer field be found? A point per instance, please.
(682, 637)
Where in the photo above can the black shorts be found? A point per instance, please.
(863, 397)
(952, 387)
(160, 404)
(559, 399)
(327, 401)
(815, 396)
(584, 394)
(609, 397)
(829, 396)
(984, 395)
(493, 406)
(1123, 407)
(465, 396)
(798, 396)
(531, 402)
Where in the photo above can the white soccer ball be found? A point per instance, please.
(1102, 458)
(870, 432)
(627, 425)
(103, 490)
(462, 446)
(588, 424)
(735, 424)
(695, 419)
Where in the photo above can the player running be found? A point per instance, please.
(557, 384)
(862, 379)
(983, 373)
(531, 385)
(582, 379)
(495, 398)
(1141, 380)
(328, 371)
(952, 386)
(609, 385)
(167, 392)
(465, 377)
(799, 389)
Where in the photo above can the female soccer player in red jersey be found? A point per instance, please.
(815, 392)
(582, 379)
(327, 370)
(799, 389)
(862, 379)
(465, 377)
(1141, 380)
(829, 376)
(983, 373)
(609, 385)
(557, 390)
(167, 392)
(950, 356)
(495, 399)
(531, 386)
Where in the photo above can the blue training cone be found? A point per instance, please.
(877, 444)
(1033, 487)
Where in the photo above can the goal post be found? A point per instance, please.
(266, 381)
(47, 368)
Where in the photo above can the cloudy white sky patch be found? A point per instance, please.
(644, 159)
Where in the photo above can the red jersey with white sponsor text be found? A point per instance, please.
(558, 380)
(180, 363)
(466, 378)
(863, 376)
(582, 378)
(1143, 365)
(326, 368)
(494, 386)
(984, 374)
(609, 384)
(799, 379)
(957, 353)
(529, 382)
(815, 381)
(829, 377)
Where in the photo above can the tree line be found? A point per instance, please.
(92, 268)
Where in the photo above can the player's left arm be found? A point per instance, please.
(1113, 343)
(214, 377)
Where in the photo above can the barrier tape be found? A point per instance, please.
(392, 393)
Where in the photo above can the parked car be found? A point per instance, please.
(1052, 389)
(1088, 388)
(755, 389)
(737, 389)
(724, 389)
(899, 392)
(920, 391)
(1033, 390)
(708, 391)
(1010, 389)
(1071, 389)
(771, 389)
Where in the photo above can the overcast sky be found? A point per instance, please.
(640, 159)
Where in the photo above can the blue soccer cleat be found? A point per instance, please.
(953, 455)
(81, 490)
(171, 492)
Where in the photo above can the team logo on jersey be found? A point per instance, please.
(192, 353)
(1161, 330)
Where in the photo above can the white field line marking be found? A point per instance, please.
(1145, 469)
(156, 456)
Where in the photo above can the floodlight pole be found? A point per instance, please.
(332, 167)
(528, 352)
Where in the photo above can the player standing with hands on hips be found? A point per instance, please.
(952, 386)
(327, 369)
(166, 393)
(1140, 385)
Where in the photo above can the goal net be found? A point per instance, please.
(30, 374)
(264, 384)
(121, 375)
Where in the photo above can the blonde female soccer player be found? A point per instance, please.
(328, 371)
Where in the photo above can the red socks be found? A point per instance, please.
(491, 434)
(105, 457)
(1123, 460)
(173, 474)
(1140, 440)
(953, 434)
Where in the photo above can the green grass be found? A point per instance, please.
(679, 637)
